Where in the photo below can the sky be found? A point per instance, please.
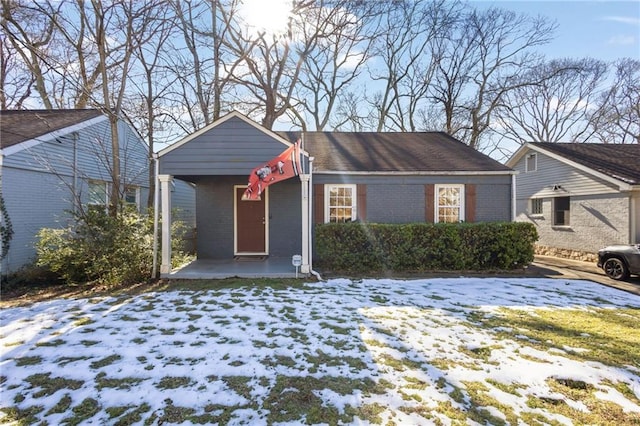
(157, 352)
(605, 30)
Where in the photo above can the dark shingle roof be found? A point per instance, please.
(21, 125)
(393, 152)
(619, 161)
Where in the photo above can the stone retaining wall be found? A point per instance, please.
(566, 253)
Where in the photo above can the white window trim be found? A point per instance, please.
(533, 155)
(554, 210)
(436, 206)
(107, 187)
(531, 200)
(137, 202)
(354, 198)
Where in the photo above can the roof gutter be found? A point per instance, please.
(419, 173)
(622, 185)
(30, 143)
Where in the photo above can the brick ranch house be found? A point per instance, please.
(346, 176)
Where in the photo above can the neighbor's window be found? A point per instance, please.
(449, 203)
(531, 164)
(132, 197)
(98, 195)
(536, 206)
(561, 211)
(340, 202)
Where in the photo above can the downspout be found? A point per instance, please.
(310, 227)
(76, 197)
(1, 218)
(513, 197)
(156, 216)
(634, 218)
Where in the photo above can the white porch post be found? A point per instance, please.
(306, 223)
(165, 192)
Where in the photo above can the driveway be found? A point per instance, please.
(555, 267)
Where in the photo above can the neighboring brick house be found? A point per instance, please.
(53, 161)
(346, 176)
(580, 196)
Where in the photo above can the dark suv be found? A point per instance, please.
(618, 262)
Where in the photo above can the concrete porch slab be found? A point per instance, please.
(270, 267)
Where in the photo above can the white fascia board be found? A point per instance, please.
(51, 136)
(418, 173)
(233, 114)
(513, 160)
(622, 186)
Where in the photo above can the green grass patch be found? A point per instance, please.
(102, 382)
(88, 408)
(21, 416)
(239, 384)
(62, 361)
(83, 321)
(105, 361)
(61, 406)
(49, 385)
(171, 382)
(28, 360)
(609, 336)
(51, 343)
(295, 399)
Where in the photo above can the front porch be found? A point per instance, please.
(269, 267)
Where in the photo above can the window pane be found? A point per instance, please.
(97, 193)
(449, 204)
(340, 203)
(130, 195)
(561, 211)
(536, 206)
(531, 163)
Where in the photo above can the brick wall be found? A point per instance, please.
(595, 221)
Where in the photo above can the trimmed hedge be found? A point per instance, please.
(420, 247)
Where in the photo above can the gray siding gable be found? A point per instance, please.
(555, 168)
(551, 171)
(232, 147)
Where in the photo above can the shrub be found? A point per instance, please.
(102, 249)
(419, 247)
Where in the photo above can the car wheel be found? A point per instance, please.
(615, 269)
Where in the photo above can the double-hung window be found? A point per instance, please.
(340, 203)
(561, 211)
(535, 207)
(449, 203)
(131, 197)
(98, 195)
(531, 163)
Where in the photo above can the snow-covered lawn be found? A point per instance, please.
(432, 351)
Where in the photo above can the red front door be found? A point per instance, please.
(251, 224)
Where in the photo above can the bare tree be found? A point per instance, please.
(153, 84)
(30, 32)
(556, 105)
(481, 64)
(407, 62)
(16, 82)
(270, 62)
(344, 32)
(617, 118)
